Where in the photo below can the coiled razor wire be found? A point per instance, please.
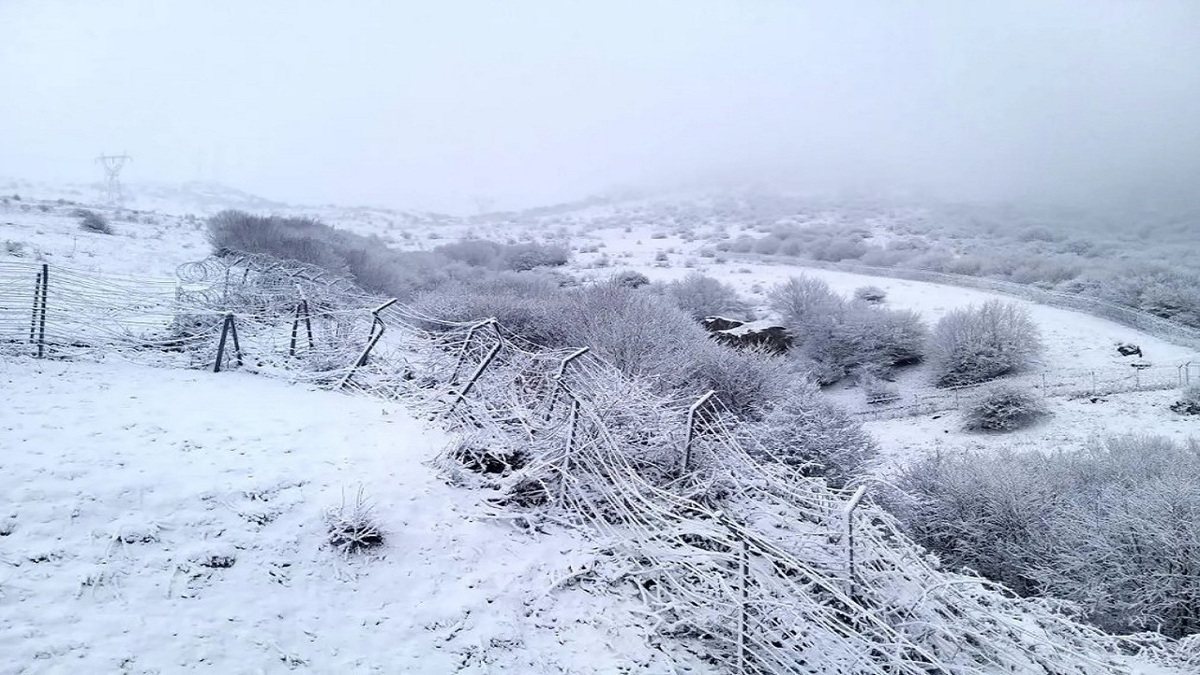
(740, 556)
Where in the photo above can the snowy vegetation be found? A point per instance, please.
(1113, 529)
(982, 343)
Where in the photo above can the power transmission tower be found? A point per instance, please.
(113, 193)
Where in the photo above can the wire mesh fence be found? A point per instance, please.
(735, 554)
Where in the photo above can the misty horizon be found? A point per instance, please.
(526, 103)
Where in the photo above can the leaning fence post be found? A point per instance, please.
(42, 318)
(487, 361)
(462, 353)
(228, 329)
(848, 524)
(372, 339)
(558, 377)
(691, 430)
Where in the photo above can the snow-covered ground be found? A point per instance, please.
(168, 521)
(129, 488)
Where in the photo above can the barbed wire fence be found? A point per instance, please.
(760, 569)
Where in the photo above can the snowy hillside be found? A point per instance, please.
(163, 520)
(159, 521)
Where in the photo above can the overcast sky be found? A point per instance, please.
(430, 104)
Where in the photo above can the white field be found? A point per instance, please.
(111, 449)
(121, 485)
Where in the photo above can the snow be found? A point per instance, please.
(167, 521)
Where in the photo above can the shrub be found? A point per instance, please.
(90, 221)
(747, 382)
(870, 294)
(642, 334)
(1113, 529)
(702, 296)
(528, 256)
(1004, 408)
(802, 300)
(808, 432)
(1189, 401)
(982, 343)
(838, 338)
(630, 279)
(528, 305)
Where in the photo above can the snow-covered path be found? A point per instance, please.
(165, 521)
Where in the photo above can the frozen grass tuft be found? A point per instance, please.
(352, 527)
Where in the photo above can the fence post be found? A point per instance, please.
(848, 524)
(462, 353)
(558, 377)
(41, 342)
(228, 329)
(743, 560)
(1094, 387)
(372, 339)
(37, 299)
(691, 430)
(487, 361)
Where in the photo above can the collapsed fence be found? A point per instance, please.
(733, 554)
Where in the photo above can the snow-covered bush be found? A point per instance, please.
(837, 338)
(870, 294)
(1189, 401)
(642, 334)
(90, 221)
(981, 343)
(747, 382)
(1115, 529)
(808, 432)
(802, 300)
(526, 304)
(630, 278)
(1004, 407)
(701, 296)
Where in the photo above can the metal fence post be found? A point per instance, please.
(37, 299)
(462, 353)
(377, 328)
(743, 563)
(848, 525)
(558, 377)
(691, 430)
(487, 361)
(41, 341)
(228, 329)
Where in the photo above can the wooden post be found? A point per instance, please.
(691, 430)
(42, 319)
(1094, 387)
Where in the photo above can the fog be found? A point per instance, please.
(437, 104)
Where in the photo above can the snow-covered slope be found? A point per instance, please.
(170, 521)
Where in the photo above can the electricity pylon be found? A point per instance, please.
(113, 193)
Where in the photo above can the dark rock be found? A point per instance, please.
(762, 334)
(1129, 349)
